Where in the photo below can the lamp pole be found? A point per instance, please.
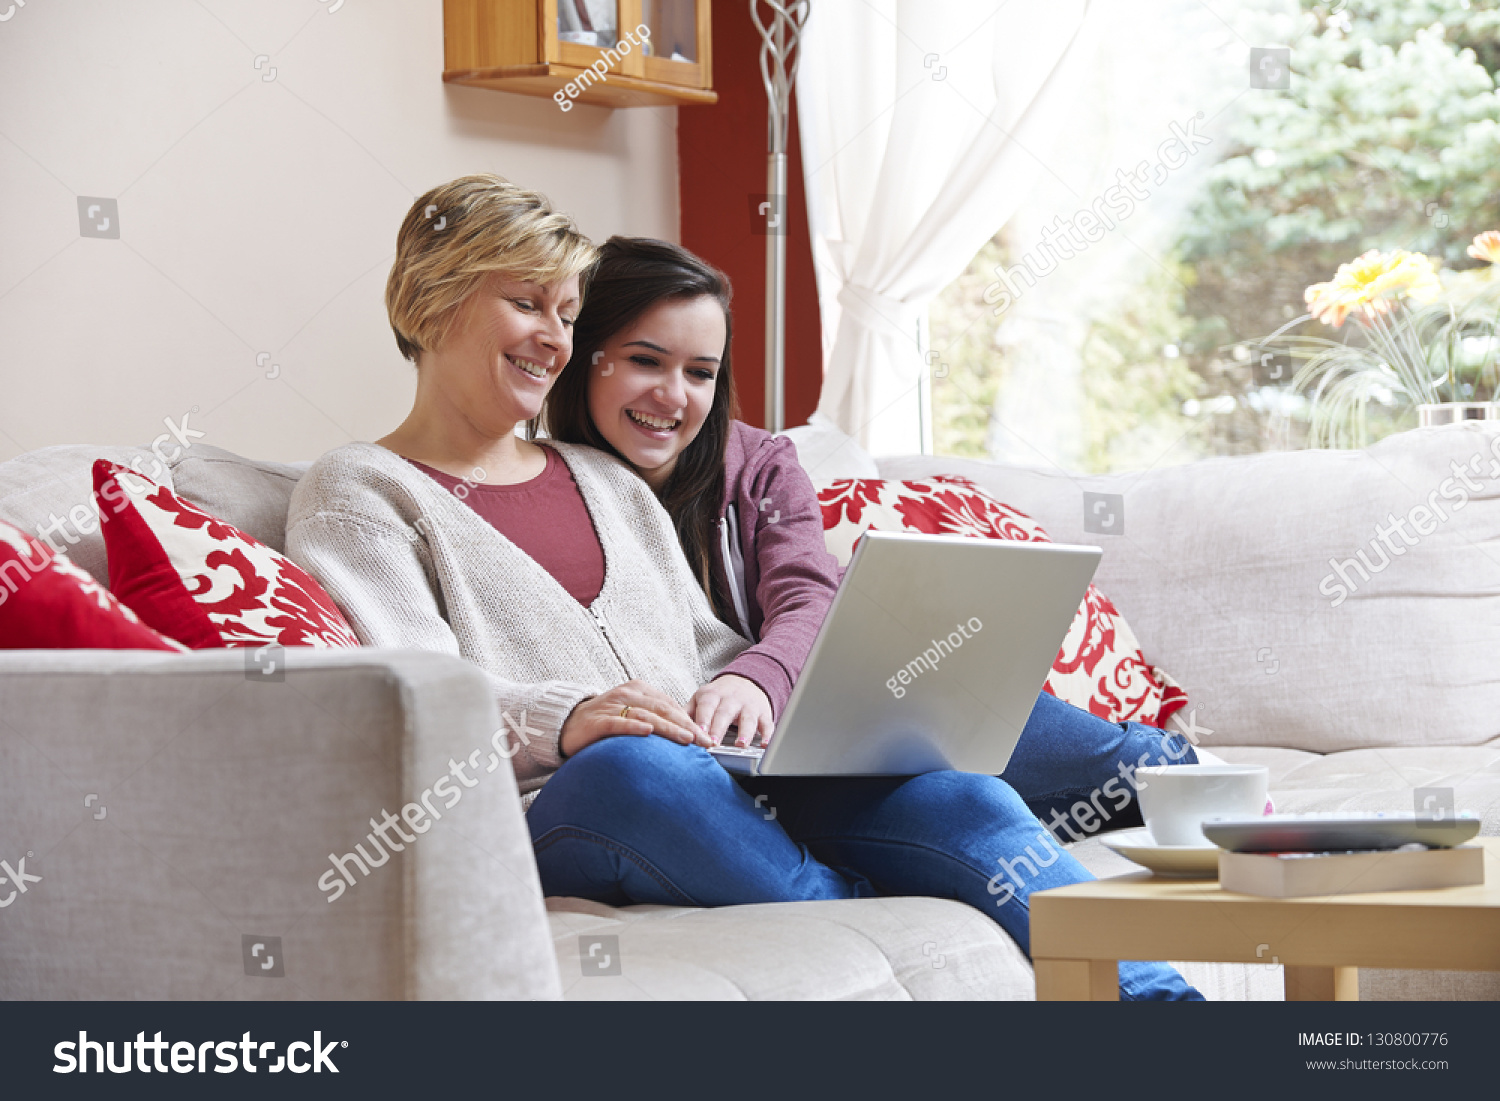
(780, 34)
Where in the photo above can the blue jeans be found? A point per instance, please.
(1074, 769)
(644, 820)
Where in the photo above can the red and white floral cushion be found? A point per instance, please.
(202, 581)
(1100, 667)
(47, 603)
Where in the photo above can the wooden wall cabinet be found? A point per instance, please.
(525, 46)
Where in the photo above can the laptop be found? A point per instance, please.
(931, 657)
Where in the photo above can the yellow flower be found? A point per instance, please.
(1486, 246)
(1371, 284)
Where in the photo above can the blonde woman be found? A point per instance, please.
(553, 568)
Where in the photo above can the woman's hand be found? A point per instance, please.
(729, 701)
(634, 707)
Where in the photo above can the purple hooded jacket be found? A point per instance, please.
(772, 560)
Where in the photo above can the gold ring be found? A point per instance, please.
(625, 712)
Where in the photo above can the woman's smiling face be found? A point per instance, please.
(505, 349)
(652, 384)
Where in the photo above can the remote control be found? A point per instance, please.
(1338, 831)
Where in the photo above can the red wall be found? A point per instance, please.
(721, 167)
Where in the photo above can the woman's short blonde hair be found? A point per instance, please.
(462, 231)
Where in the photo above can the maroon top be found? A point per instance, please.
(545, 517)
(790, 577)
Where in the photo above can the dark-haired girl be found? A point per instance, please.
(650, 381)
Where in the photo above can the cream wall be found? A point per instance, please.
(255, 216)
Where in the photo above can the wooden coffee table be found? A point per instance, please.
(1080, 932)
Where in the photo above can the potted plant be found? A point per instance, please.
(1414, 340)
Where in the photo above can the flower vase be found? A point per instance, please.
(1452, 412)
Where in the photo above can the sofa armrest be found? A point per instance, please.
(179, 809)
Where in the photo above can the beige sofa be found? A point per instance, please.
(180, 809)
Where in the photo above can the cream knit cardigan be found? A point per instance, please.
(414, 567)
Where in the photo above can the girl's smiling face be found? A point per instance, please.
(652, 384)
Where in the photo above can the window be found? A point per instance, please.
(1093, 348)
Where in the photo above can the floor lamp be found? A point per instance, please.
(779, 55)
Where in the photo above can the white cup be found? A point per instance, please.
(1175, 799)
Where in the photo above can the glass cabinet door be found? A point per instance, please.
(588, 22)
(674, 28)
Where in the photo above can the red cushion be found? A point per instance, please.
(202, 581)
(1100, 667)
(47, 603)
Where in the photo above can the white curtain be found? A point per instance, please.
(924, 124)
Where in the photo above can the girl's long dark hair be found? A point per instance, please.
(632, 275)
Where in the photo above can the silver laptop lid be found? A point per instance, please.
(931, 656)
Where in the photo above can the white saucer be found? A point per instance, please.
(1184, 861)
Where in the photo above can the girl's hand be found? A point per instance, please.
(635, 708)
(728, 701)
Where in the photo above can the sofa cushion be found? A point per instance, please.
(248, 493)
(1230, 572)
(849, 949)
(47, 603)
(1380, 779)
(854, 949)
(826, 452)
(1099, 668)
(202, 581)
